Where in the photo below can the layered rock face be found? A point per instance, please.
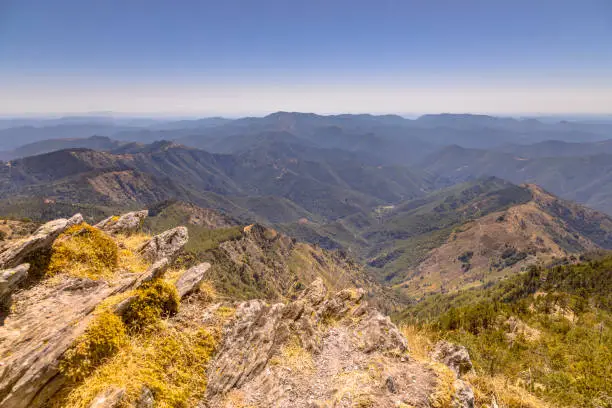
(318, 351)
(46, 318)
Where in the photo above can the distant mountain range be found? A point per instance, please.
(396, 194)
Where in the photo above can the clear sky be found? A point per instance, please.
(236, 57)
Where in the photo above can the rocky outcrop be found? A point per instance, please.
(165, 245)
(46, 319)
(45, 322)
(457, 359)
(317, 351)
(16, 252)
(10, 280)
(125, 224)
(189, 281)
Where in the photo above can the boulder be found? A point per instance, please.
(165, 245)
(454, 356)
(463, 396)
(125, 224)
(10, 280)
(457, 358)
(15, 252)
(191, 279)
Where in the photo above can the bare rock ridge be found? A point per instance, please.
(15, 252)
(126, 223)
(47, 318)
(318, 351)
(165, 245)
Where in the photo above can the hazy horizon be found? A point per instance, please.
(237, 58)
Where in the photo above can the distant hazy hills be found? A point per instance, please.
(432, 204)
(585, 179)
(463, 236)
(272, 183)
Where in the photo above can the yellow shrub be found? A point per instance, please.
(103, 338)
(171, 363)
(84, 251)
(157, 299)
(208, 291)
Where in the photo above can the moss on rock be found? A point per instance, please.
(102, 339)
(84, 251)
(155, 300)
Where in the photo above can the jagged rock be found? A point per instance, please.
(457, 359)
(125, 224)
(17, 251)
(10, 279)
(316, 292)
(454, 356)
(146, 399)
(464, 396)
(46, 321)
(110, 398)
(306, 352)
(165, 245)
(154, 271)
(189, 281)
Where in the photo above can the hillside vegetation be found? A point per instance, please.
(546, 332)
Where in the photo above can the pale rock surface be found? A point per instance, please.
(15, 252)
(46, 320)
(10, 280)
(110, 398)
(165, 245)
(191, 279)
(125, 224)
(318, 351)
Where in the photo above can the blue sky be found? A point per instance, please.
(257, 56)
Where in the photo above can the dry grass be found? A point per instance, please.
(442, 396)
(294, 356)
(506, 394)
(104, 336)
(419, 342)
(354, 387)
(86, 252)
(129, 258)
(170, 362)
(208, 292)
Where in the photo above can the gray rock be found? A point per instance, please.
(126, 224)
(109, 398)
(189, 281)
(17, 251)
(454, 356)
(300, 354)
(165, 245)
(10, 280)
(464, 396)
(146, 399)
(34, 339)
(157, 270)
